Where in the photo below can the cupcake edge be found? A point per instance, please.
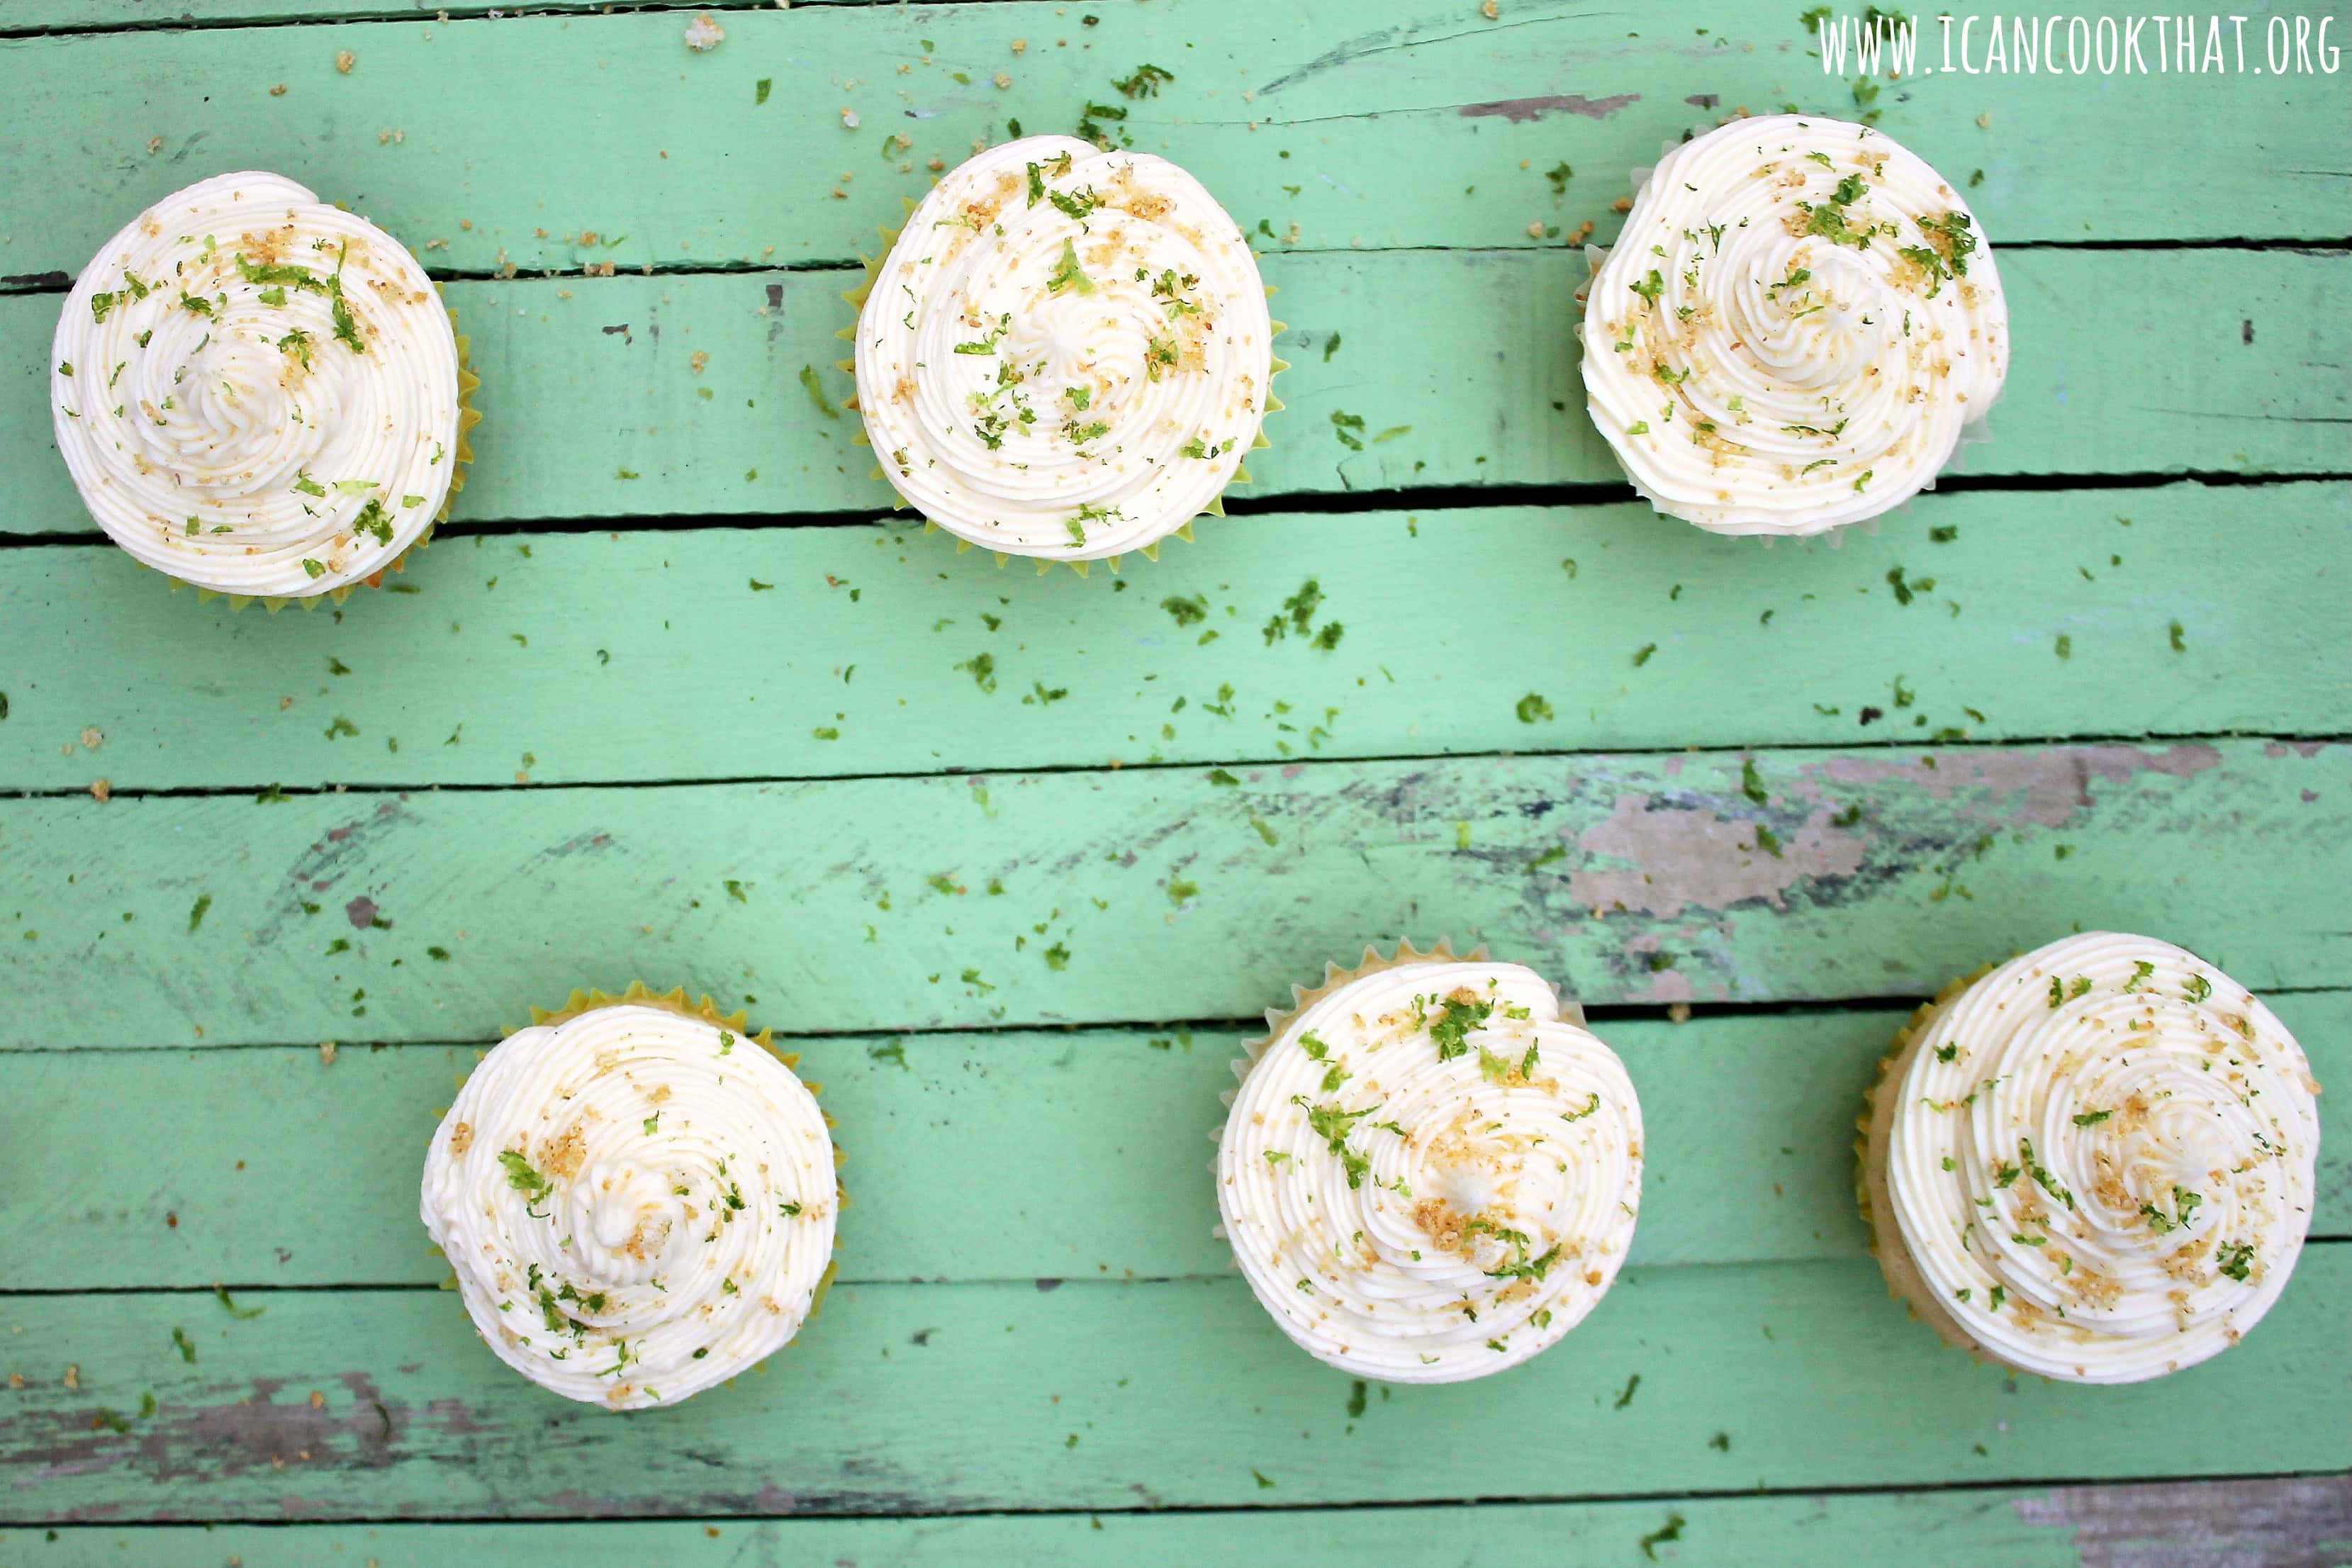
(1874, 1137)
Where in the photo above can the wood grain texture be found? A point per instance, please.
(1404, 126)
(2281, 1523)
(2127, 363)
(813, 652)
(1160, 893)
(1749, 1121)
(966, 1398)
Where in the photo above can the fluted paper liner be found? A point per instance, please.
(1873, 1129)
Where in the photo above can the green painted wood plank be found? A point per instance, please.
(99, 16)
(210, 1161)
(1403, 127)
(2184, 1523)
(815, 652)
(1155, 893)
(2127, 362)
(967, 1398)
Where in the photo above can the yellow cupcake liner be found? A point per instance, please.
(1873, 1131)
(467, 417)
(855, 299)
(676, 1000)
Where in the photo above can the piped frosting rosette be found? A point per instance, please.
(259, 394)
(1798, 324)
(1066, 353)
(637, 1197)
(2094, 1163)
(1430, 1170)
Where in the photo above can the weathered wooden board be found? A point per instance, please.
(1462, 365)
(1155, 893)
(811, 652)
(1378, 125)
(970, 1398)
(1748, 1120)
(2195, 1525)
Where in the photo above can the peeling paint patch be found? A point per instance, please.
(2038, 788)
(1677, 858)
(1521, 110)
(2300, 1523)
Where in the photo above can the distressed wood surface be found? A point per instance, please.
(2125, 363)
(1157, 893)
(789, 777)
(1749, 1121)
(2297, 1522)
(1404, 126)
(810, 652)
(966, 1398)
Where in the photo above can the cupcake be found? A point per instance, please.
(2094, 1163)
(259, 394)
(638, 1199)
(1796, 326)
(1430, 1170)
(1066, 353)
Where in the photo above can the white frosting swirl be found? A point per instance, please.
(257, 393)
(2101, 1159)
(1794, 329)
(1431, 1173)
(1066, 353)
(639, 1204)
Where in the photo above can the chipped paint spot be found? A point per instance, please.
(1677, 858)
(319, 867)
(1521, 110)
(360, 911)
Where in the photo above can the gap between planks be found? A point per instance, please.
(2342, 1480)
(1890, 743)
(1431, 500)
(59, 283)
(1597, 1013)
